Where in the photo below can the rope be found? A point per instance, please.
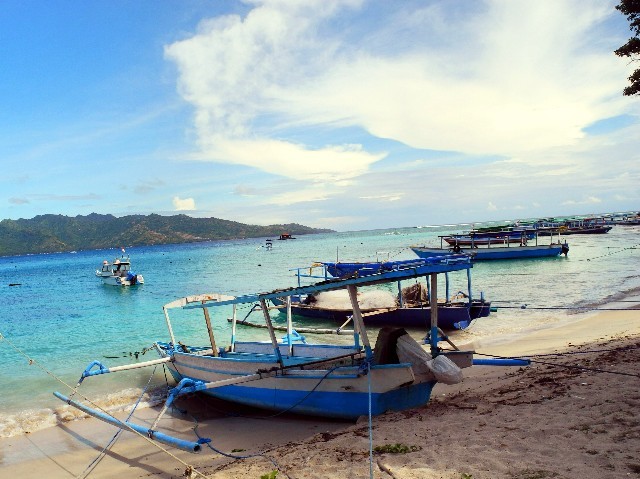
(124, 425)
(232, 456)
(635, 246)
(279, 413)
(135, 354)
(613, 301)
(306, 395)
(569, 353)
(578, 308)
(115, 437)
(567, 366)
(370, 421)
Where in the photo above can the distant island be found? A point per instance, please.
(56, 233)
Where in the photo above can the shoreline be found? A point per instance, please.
(67, 449)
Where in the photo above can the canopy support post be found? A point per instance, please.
(289, 326)
(272, 334)
(434, 314)
(358, 322)
(212, 339)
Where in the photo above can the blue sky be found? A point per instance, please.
(344, 114)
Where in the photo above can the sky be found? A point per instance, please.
(340, 114)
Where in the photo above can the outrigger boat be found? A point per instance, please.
(485, 252)
(118, 272)
(340, 269)
(476, 238)
(332, 380)
(409, 308)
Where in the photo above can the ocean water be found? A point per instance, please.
(58, 317)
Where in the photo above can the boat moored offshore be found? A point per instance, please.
(118, 272)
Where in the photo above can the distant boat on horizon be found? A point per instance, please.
(286, 236)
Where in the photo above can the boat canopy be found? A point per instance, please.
(443, 264)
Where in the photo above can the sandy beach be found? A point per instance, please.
(566, 416)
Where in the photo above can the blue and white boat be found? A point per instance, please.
(502, 237)
(409, 307)
(487, 252)
(118, 272)
(293, 375)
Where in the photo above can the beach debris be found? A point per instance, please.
(397, 448)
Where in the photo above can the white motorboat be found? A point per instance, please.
(118, 272)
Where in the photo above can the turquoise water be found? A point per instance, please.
(63, 317)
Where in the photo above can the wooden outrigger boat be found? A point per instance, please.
(333, 380)
(497, 238)
(409, 308)
(488, 252)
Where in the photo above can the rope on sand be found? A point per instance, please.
(569, 353)
(576, 308)
(235, 456)
(612, 301)
(279, 413)
(124, 425)
(566, 366)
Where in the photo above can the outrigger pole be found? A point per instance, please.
(185, 386)
(188, 446)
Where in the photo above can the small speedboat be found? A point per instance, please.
(118, 272)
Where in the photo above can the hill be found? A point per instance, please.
(54, 233)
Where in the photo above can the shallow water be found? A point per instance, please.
(63, 317)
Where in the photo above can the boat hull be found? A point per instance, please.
(596, 230)
(342, 392)
(122, 280)
(450, 317)
(495, 253)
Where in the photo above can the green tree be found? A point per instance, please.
(631, 49)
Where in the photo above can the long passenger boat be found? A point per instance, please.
(487, 252)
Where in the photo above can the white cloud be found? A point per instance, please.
(513, 79)
(236, 73)
(331, 163)
(316, 193)
(589, 200)
(394, 197)
(517, 82)
(183, 204)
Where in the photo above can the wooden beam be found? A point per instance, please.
(210, 331)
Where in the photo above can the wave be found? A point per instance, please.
(630, 294)
(32, 420)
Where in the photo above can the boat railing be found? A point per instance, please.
(313, 272)
(320, 270)
(476, 240)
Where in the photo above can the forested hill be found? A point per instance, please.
(53, 233)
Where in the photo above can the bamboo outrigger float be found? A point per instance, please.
(332, 380)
